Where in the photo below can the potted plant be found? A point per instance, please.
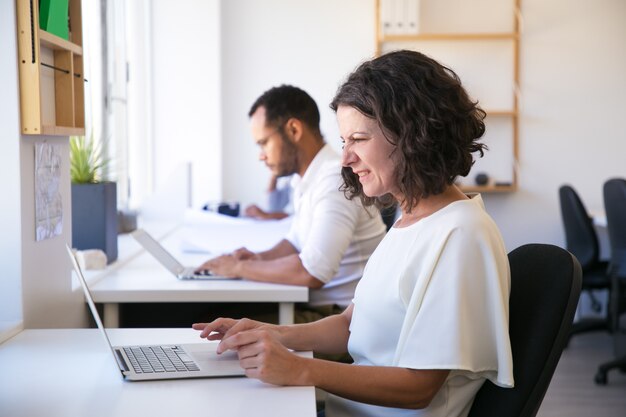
(94, 200)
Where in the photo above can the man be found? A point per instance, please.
(278, 198)
(331, 238)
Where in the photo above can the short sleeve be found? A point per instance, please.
(332, 228)
(458, 319)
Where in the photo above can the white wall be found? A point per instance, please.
(48, 298)
(10, 249)
(45, 291)
(186, 119)
(310, 44)
(573, 76)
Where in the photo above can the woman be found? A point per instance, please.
(429, 319)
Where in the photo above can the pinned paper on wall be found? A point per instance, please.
(48, 203)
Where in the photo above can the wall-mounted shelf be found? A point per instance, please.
(504, 113)
(51, 41)
(448, 37)
(51, 74)
(461, 36)
(489, 188)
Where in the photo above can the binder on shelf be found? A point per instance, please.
(411, 16)
(399, 17)
(386, 17)
(53, 17)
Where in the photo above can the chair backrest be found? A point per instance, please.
(615, 207)
(389, 215)
(545, 285)
(580, 235)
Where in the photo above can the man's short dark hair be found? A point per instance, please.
(286, 101)
(424, 111)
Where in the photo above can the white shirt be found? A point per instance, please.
(435, 295)
(334, 236)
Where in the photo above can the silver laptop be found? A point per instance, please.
(168, 261)
(145, 363)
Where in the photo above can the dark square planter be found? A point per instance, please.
(94, 217)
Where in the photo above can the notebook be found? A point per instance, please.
(168, 261)
(177, 361)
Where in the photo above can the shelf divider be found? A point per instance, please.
(51, 41)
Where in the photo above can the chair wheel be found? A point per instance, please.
(600, 378)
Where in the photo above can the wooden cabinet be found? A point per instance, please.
(482, 47)
(51, 74)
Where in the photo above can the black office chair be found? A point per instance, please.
(582, 242)
(389, 215)
(545, 287)
(615, 207)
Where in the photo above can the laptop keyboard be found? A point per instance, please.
(153, 359)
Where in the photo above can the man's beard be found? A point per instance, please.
(288, 163)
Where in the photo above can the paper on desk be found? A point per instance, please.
(209, 232)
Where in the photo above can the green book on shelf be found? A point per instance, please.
(53, 17)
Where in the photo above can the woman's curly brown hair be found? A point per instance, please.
(424, 111)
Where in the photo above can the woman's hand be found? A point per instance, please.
(259, 349)
(223, 328)
(263, 357)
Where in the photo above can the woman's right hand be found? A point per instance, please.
(259, 349)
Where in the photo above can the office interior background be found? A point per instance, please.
(197, 65)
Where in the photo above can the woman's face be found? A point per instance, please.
(367, 152)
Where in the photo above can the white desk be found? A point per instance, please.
(144, 280)
(71, 372)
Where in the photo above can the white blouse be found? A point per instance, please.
(434, 295)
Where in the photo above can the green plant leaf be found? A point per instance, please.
(86, 160)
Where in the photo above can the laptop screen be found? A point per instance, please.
(89, 298)
(158, 251)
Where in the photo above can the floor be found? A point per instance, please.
(573, 393)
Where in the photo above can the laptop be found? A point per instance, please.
(168, 261)
(147, 363)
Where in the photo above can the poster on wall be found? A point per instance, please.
(48, 204)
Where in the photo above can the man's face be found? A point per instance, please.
(276, 149)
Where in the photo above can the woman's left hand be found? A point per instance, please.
(264, 358)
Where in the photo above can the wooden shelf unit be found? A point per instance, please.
(448, 37)
(512, 113)
(69, 103)
(489, 188)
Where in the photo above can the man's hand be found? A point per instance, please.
(244, 254)
(227, 265)
(255, 212)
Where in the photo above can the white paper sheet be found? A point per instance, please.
(208, 232)
(48, 204)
